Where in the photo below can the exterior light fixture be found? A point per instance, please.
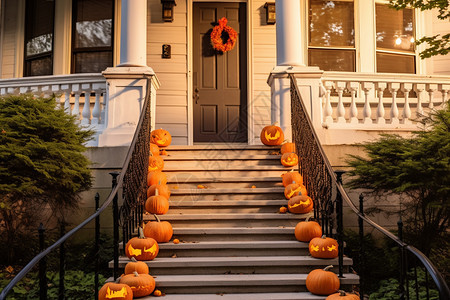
(167, 10)
(270, 12)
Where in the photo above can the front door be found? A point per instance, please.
(219, 79)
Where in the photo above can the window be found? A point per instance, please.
(331, 43)
(92, 35)
(395, 40)
(39, 16)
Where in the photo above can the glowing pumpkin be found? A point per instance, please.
(341, 295)
(154, 149)
(156, 177)
(300, 204)
(307, 230)
(136, 266)
(294, 189)
(322, 282)
(289, 159)
(291, 176)
(141, 248)
(157, 204)
(161, 137)
(141, 284)
(272, 135)
(163, 190)
(287, 148)
(323, 247)
(115, 291)
(160, 231)
(155, 163)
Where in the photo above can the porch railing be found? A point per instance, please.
(322, 182)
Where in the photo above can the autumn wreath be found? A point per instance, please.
(216, 36)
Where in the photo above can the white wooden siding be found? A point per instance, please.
(9, 39)
(441, 63)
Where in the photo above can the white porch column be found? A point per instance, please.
(289, 34)
(133, 33)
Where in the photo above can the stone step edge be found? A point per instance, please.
(242, 296)
(221, 157)
(199, 191)
(207, 245)
(231, 168)
(183, 179)
(225, 146)
(211, 203)
(230, 216)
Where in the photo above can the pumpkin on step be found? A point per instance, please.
(306, 230)
(155, 163)
(322, 282)
(287, 148)
(141, 248)
(323, 247)
(341, 295)
(154, 149)
(289, 159)
(272, 135)
(294, 189)
(156, 177)
(161, 137)
(163, 190)
(157, 204)
(141, 284)
(136, 266)
(116, 291)
(300, 204)
(291, 176)
(160, 231)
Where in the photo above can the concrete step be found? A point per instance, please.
(191, 182)
(203, 196)
(207, 190)
(199, 234)
(236, 265)
(250, 171)
(193, 156)
(225, 206)
(233, 248)
(220, 164)
(217, 150)
(242, 296)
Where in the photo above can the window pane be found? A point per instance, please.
(92, 62)
(39, 26)
(395, 28)
(395, 63)
(39, 67)
(332, 60)
(331, 23)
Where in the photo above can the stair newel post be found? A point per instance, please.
(97, 245)
(115, 226)
(402, 261)
(361, 248)
(340, 222)
(42, 265)
(62, 258)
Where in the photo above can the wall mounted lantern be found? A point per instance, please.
(167, 10)
(270, 12)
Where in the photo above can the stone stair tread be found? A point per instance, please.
(234, 245)
(208, 203)
(180, 167)
(224, 146)
(243, 296)
(221, 157)
(227, 191)
(234, 230)
(228, 216)
(186, 178)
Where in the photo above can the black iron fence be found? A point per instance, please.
(130, 183)
(322, 182)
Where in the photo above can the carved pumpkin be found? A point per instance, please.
(156, 177)
(161, 137)
(155, 163)
(136, 266)
(291, 176)
(160, 231)
(272, 135)
(287, 148)
(294, 189)
(154, 149)
(323, 247)
(341, 295)
(141, 248)
(163, 190)
(289, 159)
(300, 204)
(307, 230)
(141, 284)
(157, 204)
(115, 291)
(322, 282)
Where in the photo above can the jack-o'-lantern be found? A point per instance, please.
(163, 190)
(272, 135)
(160, 231)
(156, 177)
(300, 204)
(341, 295)
(141, 248)
(157, 204)
(141, 284)
(307, 230)
(115, 291)
(154, 149)
(294, 189)
(161, 137)
(136, 266)
(322, 282)
(287, 148)
(289, 159)
(155, 163)
(323, 247)
(291, 176)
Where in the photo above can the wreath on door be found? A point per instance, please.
(216, 36)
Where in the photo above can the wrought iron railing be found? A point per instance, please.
(322, 182)
(131, 182)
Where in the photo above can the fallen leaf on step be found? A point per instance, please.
(201, 186)
(163, 152)
(174, 256)
(253, 187)
(175, 187)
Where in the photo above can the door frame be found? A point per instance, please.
(190, 62)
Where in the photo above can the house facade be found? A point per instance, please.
(355, 61)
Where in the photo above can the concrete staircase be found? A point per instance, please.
(234, 243)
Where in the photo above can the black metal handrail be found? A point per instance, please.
(135, 156)
(313, 156)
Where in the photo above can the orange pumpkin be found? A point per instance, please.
(323, 247)
(141, 248)
(154, 149)
(157, 293)
(155, 163)
(156, 177)
(307, 230)
(115, 291)
(176, 241)
(322, 282)
(161, 137)
(300, 204)
(136, 266)
(141, 284)
(289, 159)
(341, 295)
(283, 210)
(291, 176)
(272, 135)
(294, 189)
(157, 204)
(163, 190)
(160, 231)
(287, 148)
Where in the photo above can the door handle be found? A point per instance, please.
(196, 95)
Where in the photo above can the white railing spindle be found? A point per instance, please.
(380, 87)
(328, 110)
(353, 87)
(367, 112)
(407, 87)
(340, 112)
(393, 88)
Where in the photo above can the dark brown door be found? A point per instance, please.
(220, 79)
